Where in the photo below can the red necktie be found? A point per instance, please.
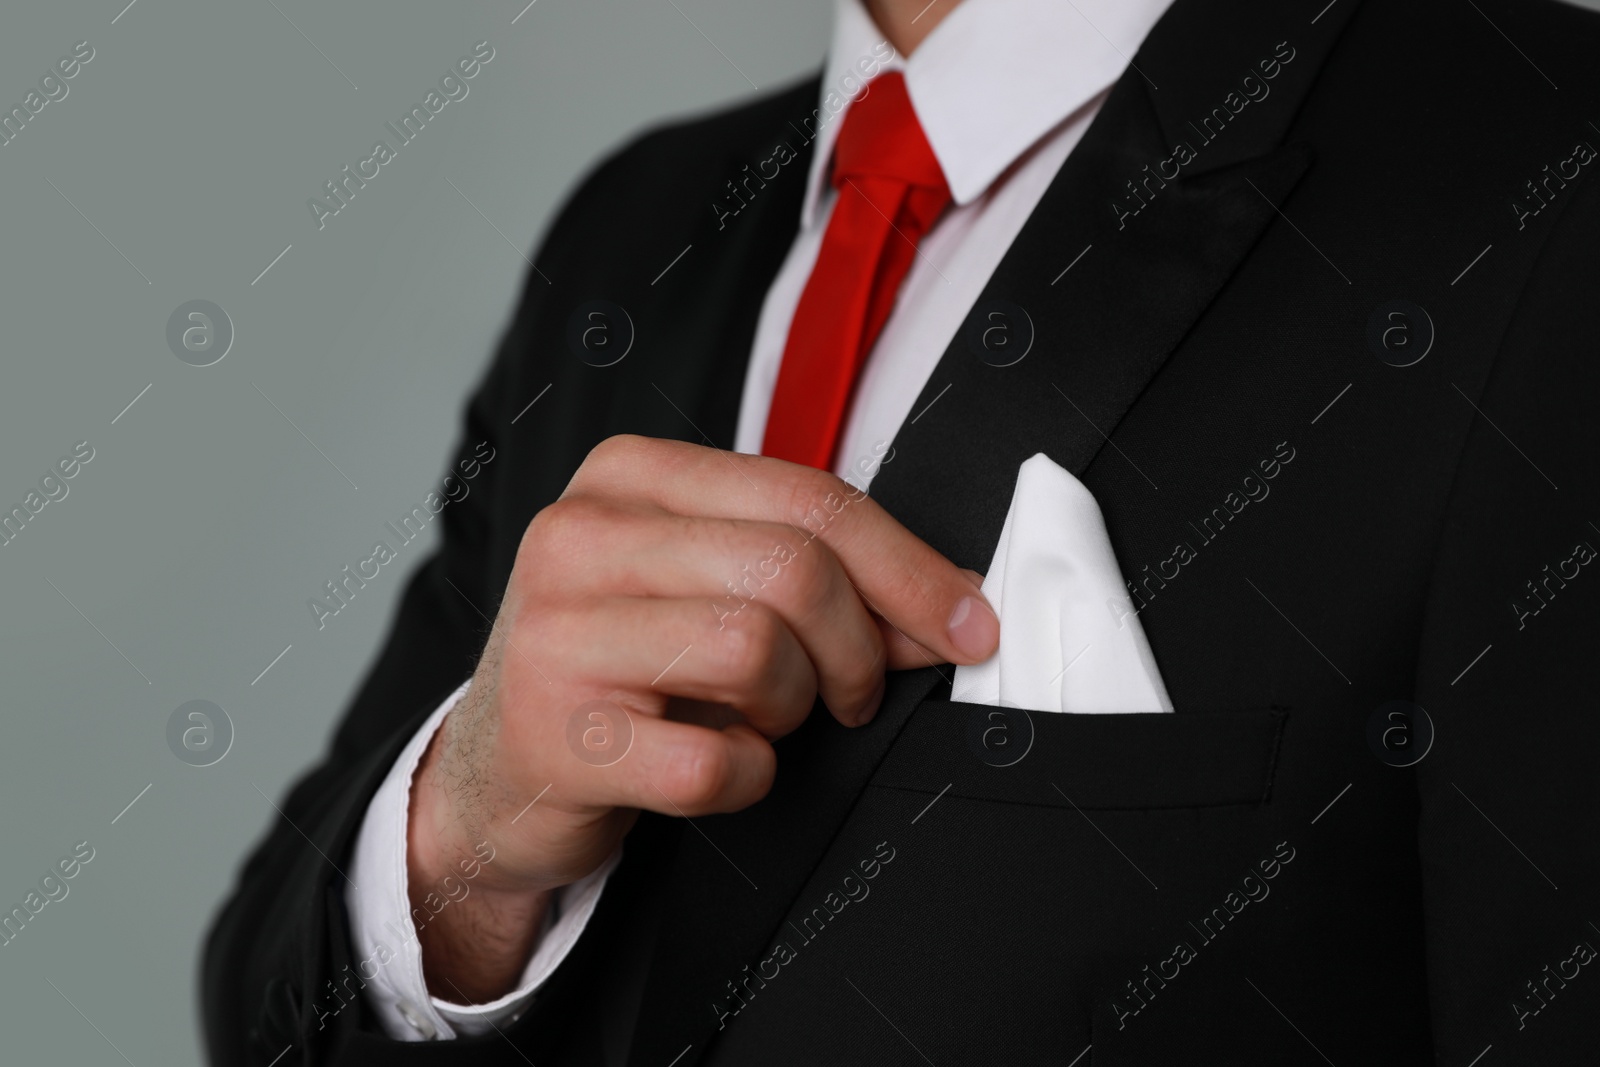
(890, 191)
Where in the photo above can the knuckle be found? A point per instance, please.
(617, 451)
(748, 646)
(618, 448)
(561, 525)
(785, 570)
(857, 678)
(815, 498)
(548, 521)
(816, 584)
(701, 777)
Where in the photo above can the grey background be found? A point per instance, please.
(194, 537)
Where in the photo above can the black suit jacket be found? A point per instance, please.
(1310, 531)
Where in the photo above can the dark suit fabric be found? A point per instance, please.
(1033, 913)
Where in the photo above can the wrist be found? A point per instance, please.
(476, 931)
(448, 842)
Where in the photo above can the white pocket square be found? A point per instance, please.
(1055, 582)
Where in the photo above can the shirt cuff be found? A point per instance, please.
(384, 932)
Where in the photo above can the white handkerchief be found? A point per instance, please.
(1065, 644)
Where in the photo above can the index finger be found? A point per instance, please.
(898, 576)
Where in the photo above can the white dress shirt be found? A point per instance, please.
(1004, 89)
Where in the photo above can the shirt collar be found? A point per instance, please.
(987, 84)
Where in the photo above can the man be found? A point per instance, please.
(1290, 292)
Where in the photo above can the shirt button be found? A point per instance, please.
(417, 1020)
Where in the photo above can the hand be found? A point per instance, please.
(710, 598)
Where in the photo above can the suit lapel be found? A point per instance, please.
(1098, 333)
(1139, 277)
(1095, 335)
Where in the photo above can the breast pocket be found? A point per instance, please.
(1091, 762)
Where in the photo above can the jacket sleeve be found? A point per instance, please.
(266, 971)
(277, 973)
(274, 974)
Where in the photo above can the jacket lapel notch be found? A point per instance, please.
(1227, 80)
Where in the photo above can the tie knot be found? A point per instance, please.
(881, 138)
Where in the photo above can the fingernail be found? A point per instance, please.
(974, 630)
(873, 703)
